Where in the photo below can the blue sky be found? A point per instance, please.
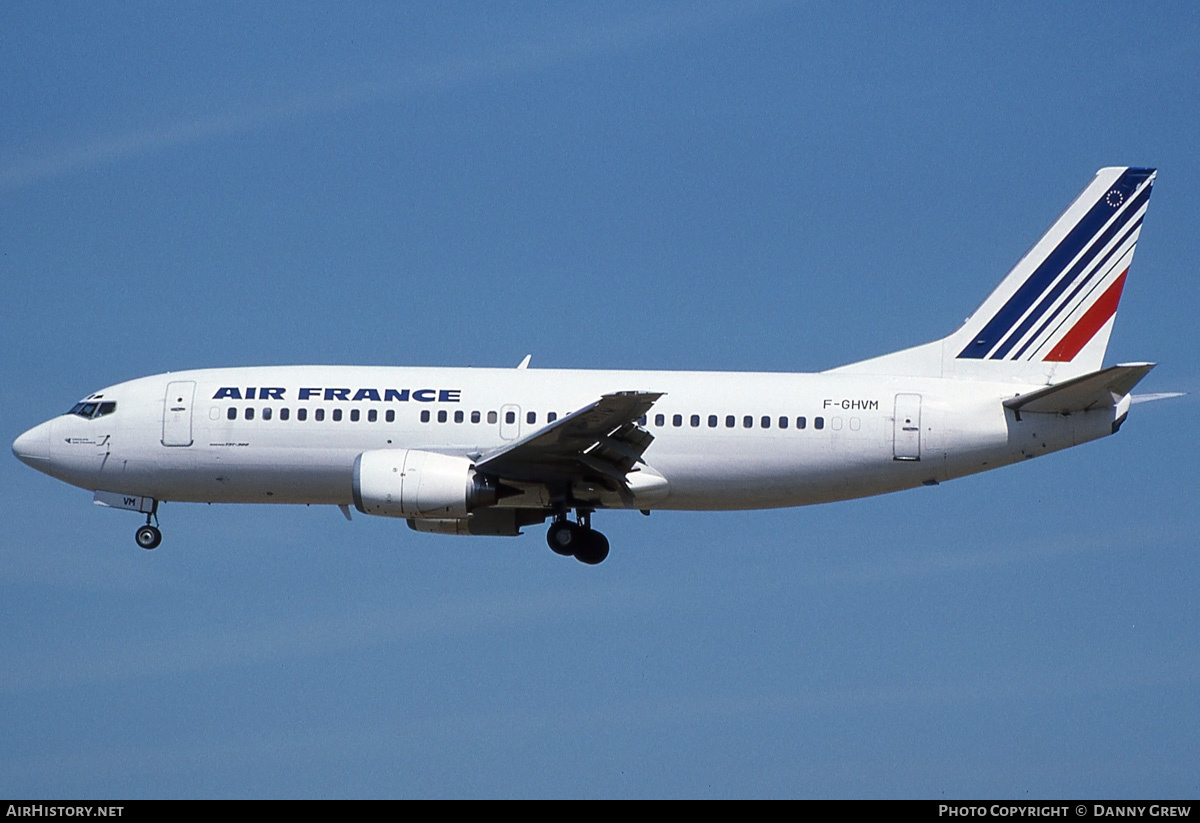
(775, 186)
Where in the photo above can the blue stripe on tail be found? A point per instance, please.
(1068, 249)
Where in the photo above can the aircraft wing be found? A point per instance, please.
(600, 442)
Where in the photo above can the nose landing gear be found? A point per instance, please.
(578, 540)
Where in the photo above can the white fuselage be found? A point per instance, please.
(236, 435)
(489, 451)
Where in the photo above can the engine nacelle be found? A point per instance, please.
(420, 484)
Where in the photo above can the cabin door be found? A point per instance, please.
(177, 413)
(906, 437)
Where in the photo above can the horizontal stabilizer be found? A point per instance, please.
(1099, 389)
(1150, 398)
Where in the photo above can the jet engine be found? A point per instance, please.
(419, 484)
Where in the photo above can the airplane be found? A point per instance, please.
(489, 451)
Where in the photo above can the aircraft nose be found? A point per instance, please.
(33, 447)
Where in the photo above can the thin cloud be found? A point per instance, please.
(453, 72)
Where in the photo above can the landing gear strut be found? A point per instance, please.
(578, 540)
(148, 536)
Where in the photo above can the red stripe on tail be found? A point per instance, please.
(1091, 322)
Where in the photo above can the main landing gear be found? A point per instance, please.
(148, 536)
(577, 540)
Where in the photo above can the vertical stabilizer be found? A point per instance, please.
(1050, 319)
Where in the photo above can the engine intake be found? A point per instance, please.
(421, 484)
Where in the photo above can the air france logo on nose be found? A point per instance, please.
(339, 394)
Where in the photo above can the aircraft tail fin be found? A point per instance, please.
(1050, 319)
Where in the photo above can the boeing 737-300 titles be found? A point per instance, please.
(489, 451)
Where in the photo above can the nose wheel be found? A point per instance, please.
(578, 540)
(148, 536)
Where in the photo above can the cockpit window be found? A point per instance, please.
(90, 410)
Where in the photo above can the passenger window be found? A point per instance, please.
(660, 420)
(492, 418)
(475, 418)
(818, 422)
(766, 422)
(249, 414)
(695, 421)
(458, 416)
(712, 421)
(783, 422)
(677, 420)
(552, 416)
(730, 421)
(801, 422)
(231, 414)
(531, 417)
(372, 415)
(424, 415)
(354, 415)
(390, 416)
(442, 417)
(748, 422)
(284, 414)
(641, 420)
(266, 413)
(510, 417)
(319, 415)
(337, 415)
(302, 414)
